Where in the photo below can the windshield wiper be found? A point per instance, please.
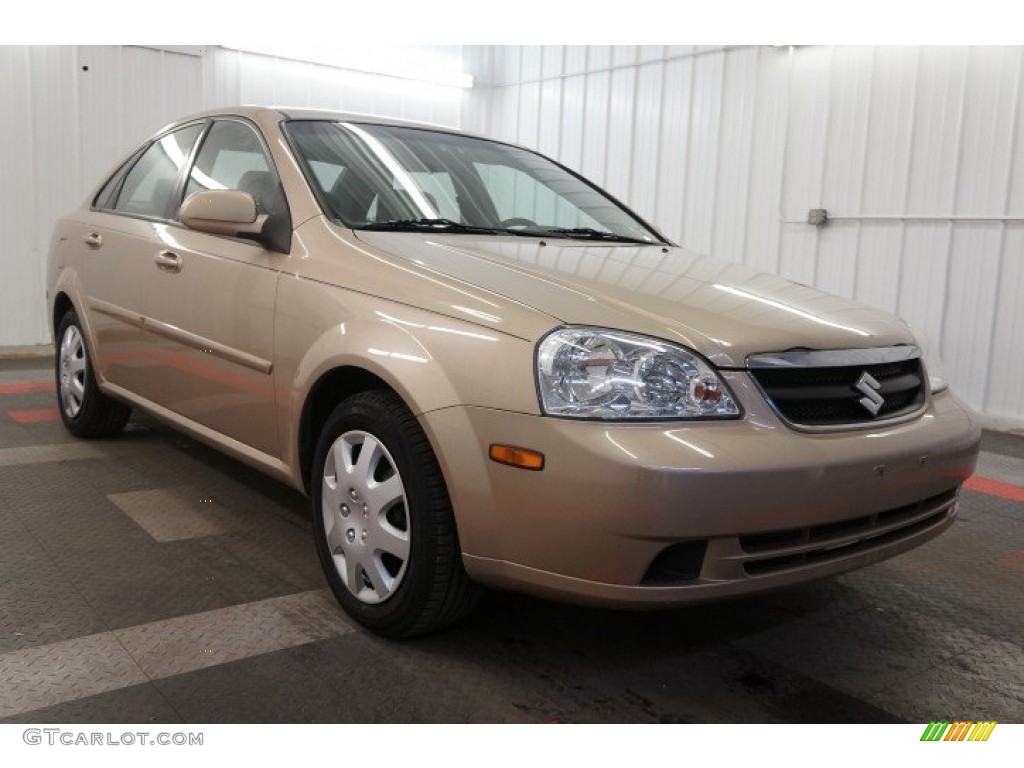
(430, 225)
(588, 233)
(448, 225)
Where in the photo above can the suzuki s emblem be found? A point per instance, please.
(869, 386)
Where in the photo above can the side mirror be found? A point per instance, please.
(223, 212)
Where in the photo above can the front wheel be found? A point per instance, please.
(383, 523)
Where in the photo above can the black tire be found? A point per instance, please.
(434, 590)
(96, 415)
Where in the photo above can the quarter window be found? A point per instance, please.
(150, 184)
(105, 199)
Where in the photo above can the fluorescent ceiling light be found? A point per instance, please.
(405, 63)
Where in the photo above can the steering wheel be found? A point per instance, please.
(518, 222)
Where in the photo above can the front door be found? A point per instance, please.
(210, 301)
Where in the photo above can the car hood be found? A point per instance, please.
(725, 311)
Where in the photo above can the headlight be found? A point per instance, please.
(933, 366)
(591, 373)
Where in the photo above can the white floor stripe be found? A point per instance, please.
(32, 678)
(72, 669)
(173, 514)
(37, 454)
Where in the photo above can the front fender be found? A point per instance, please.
(430, 360)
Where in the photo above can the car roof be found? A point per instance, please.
(262, 114)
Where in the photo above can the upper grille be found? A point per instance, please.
(828, 395)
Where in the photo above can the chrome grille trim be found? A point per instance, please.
(833, 358)
(823, 359)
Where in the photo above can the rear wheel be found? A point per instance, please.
(384, 528)
(85, 410)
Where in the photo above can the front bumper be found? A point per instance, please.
(762, 505)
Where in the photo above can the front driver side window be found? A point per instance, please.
(232, 157)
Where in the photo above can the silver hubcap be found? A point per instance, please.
(365, 516)
(72, 371)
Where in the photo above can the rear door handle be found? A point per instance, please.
(93, 240)
(168, 261)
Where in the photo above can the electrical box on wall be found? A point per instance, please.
(817, 216)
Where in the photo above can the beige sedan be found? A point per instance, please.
(483, 370)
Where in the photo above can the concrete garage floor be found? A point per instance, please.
(150, 579)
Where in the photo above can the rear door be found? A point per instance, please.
(114, 248)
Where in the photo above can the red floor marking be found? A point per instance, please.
(26, 386)
(1013, 561)
(995, 488)
(31, 417)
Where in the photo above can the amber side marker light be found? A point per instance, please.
(523, 458)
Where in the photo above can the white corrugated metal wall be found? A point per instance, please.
(916, 152)
(64, 126)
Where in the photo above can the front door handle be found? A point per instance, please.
(168, 261)
(93, 240)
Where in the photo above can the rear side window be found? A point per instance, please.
(150, 184)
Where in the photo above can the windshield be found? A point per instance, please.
(389, 177)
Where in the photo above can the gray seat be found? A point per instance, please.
(263, 186)
(350, 197)
(157, 205)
